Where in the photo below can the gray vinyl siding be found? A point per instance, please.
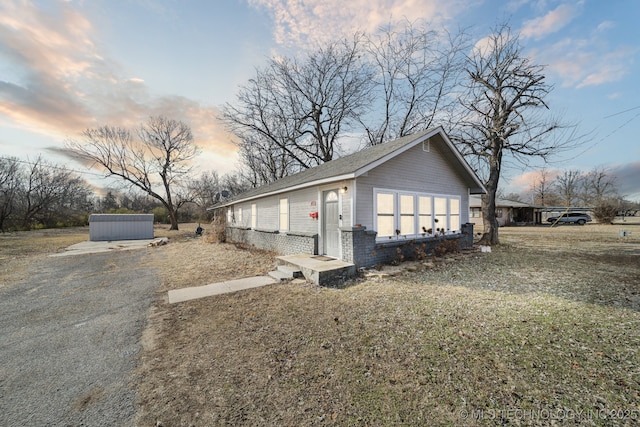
(415, 171)
(268, 219)
(300, 206)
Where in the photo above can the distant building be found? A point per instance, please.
(508, 212)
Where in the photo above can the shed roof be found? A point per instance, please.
(120, 217)
(358, 163)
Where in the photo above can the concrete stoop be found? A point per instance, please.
(321, 270)
(286, 272)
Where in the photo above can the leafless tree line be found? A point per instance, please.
(39, 193)
(576, 188)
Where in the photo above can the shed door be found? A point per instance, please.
(330, 223)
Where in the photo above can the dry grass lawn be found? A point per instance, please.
(544, 329)
(18, 249)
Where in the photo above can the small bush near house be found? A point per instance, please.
(217, 233)
(605, 212)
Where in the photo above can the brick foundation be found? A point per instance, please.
(290, 243)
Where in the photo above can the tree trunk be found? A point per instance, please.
(490, 236)
(174, 220)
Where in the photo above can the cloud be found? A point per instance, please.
(550, 23)
(61, 83)
(586, 62)
(298, 23)
(628, 180)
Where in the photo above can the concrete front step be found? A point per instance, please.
(322, 271)
(285, 272)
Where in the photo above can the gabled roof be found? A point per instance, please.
(356, 164)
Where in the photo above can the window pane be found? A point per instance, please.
(385, 226)
(454, 206)
(331, 196)
(455, 223)
(440, 207)
(254, 216)
(424, 205)
(385, 203)
(406, 204)
(440, 204)
(407, 218)
(284, 214)
(407, 223)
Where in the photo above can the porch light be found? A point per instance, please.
(343, 189)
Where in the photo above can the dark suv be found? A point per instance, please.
(575, 217)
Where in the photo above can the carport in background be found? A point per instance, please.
(108, 227)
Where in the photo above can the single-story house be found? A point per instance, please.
(508, 212)
(362, 207)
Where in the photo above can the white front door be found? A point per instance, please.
(330, 224)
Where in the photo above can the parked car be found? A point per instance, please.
(571, 217)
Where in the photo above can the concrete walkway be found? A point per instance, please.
(89, 247)
(186, 294)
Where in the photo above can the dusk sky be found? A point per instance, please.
(70, 65)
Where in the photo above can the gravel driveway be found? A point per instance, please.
(69, 340)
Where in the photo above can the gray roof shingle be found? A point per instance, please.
(339, 167)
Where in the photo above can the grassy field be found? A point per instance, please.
(543, 330)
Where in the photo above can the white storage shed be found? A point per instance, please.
(120, 227)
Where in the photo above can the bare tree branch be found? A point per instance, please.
(157, 163)
(506, 116)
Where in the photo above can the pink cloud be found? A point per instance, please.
(527, 180)
(301, 23)
(550, 23)
(62, 84)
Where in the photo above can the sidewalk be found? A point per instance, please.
(186, 294)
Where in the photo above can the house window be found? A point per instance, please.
(385, 210)
(407, 216)
(239, 216)
(254, 216)
(498, 212)
(454, 215)
(229, 215)
(440, 207)
(476, 213)
(425, 217)
(284, 214)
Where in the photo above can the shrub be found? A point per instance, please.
(161, 215)
(218, 232)
(605, 212)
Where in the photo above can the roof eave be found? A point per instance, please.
(323, 181)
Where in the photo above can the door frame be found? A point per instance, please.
(322, 222)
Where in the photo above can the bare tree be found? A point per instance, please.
(416, 70)
(568, 186)
(291, 115)
(597, 185)
(48, 192)
(9, 188)
(158, 163)
(543, 189)
(503, 117)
